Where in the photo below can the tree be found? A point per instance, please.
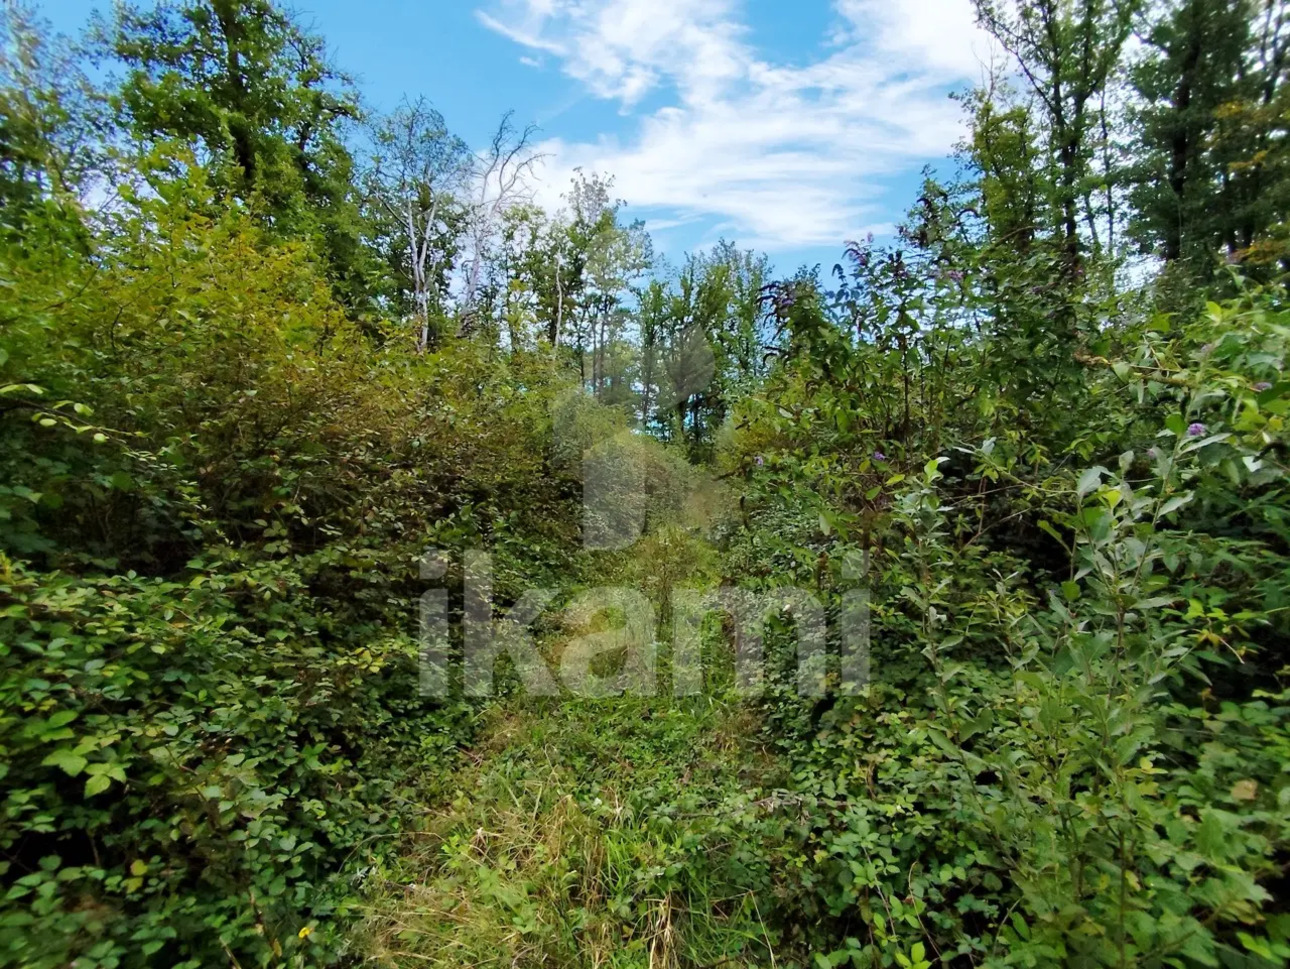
(1210, 168)
(529, 257)
(610, 257)
(51, 149)
(497, 182)
(1192, 69)
(1250, 144)
(257, 95)
(417, 182)
(1067, 51)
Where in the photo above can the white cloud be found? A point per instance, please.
(941, 36)
(518, 33)
(779, 155)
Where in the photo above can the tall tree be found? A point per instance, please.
(51, 151)
(1192, 69)
(498, 181)
(1250, 143)
(1067, 50)
(612, 257)
(258, 96)
(417, 186)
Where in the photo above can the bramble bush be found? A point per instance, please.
(1072, 756)
(216, 496)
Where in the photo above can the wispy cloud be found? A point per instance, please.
(517, 33)
(781, 155)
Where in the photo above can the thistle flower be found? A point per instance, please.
(1197, 430)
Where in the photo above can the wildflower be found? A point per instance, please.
(760, 461)
(1153, 454)
(956, 275)
(1262, 385)
(1197, 430)
(305, 932)
(879, 456)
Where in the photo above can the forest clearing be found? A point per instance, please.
(401, 568)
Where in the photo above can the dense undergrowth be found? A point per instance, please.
(247, 423)
(611, 833)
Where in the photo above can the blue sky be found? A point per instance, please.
(788, 127)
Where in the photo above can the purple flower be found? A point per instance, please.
(879, 456)
(956, 275)
(1197, 430)
(1262, 385)
(760, 460)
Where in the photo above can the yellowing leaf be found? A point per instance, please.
(1246, 790)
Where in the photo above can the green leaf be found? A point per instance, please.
(19, 388)
(1046, 527)
(71, 762)
(1089, 481)
(97, 785)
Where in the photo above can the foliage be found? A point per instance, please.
(250, 375)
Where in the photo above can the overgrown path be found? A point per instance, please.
(598, 833)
